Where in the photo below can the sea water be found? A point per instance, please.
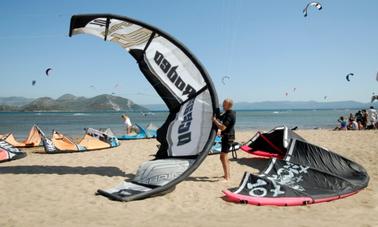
(72, 124)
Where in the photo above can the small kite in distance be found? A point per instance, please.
(374, 97)
(93, 87)
(314, 4)
(325, 97)
(286, 94)
(348, 76)
(223, 79)
(34, 82)
(47, 71)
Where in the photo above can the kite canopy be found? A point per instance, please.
(347, 77)
(373, 98)
(47, 71)
(185, 87)
(306, 174)
(33, 140)
(92, 140)
(224, 79)
(313, 4)
(272, 144)
(8, 152)
(143, 133)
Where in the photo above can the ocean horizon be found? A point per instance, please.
(73, 123)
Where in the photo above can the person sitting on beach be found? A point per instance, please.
(351, 117)
(127, 122)
(225, 125)
(343, 124)
(353, 125)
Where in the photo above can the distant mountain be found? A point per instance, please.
(276, 105)
(14, 101)
(69, 97)
(7, 108)
(73, 103)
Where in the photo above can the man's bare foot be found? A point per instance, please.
(223, 179)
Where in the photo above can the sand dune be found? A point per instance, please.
(58, 190)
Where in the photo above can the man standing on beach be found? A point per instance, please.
(225, 125)
(372, 117)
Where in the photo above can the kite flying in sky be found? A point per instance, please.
(348, 76)
(224, 78)
(312, 4)
(47, 71)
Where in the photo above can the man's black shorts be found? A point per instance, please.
(226, 145)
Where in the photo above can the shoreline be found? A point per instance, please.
(72, 123)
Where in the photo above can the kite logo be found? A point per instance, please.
(49, 145)
(99, 22)
(290, 175)
(172, 74)
(184, 128)
(6, 146)
(257, 189)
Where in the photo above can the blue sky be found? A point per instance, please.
(266, 47)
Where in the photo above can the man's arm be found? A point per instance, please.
(219, 124)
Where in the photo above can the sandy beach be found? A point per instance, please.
(58, 190)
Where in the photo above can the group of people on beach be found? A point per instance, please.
(363, 119)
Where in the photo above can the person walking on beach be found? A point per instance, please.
(127, 122)
(225, 125)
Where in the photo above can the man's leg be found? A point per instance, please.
(225, 165)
